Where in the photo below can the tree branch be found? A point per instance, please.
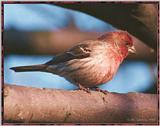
(140, 19)
(27, 104)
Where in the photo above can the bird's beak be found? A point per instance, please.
(132, 49)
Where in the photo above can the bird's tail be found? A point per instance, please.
(40, 67)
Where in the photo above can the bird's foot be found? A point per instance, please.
(100, 90)
(84, 88)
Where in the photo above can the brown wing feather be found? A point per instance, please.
(77, 52)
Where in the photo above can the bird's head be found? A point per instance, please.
(121, 40)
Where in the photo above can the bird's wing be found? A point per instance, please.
(77, 52)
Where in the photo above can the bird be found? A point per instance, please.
(89, 63)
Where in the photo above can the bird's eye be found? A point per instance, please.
(127, 43)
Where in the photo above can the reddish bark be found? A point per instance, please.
(27, 104)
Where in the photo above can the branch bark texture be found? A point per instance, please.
(27, 104)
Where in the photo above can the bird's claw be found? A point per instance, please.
(84, 89)
(100, 90)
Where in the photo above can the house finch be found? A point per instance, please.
(89, 63)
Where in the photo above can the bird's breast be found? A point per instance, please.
(91, 71)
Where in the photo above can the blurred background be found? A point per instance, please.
(34, 33)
